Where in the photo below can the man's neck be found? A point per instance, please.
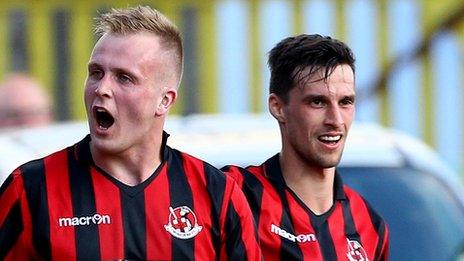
(312, 185)
(132, 166)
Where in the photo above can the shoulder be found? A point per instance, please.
(234, 172)
(200, 172)
(354, 197)
(222, 189)
(193, 164)
(34, 171)
(241, 174)
(38, 165)
(360, 206)
(29, 176)
(55, 158)
(251, 180)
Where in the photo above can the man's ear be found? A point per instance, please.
(276, 107)
(166, 102)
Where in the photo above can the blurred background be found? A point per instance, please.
(409, 56)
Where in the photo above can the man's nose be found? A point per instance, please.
(104, 88)
(334, 116)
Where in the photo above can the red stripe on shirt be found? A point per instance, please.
(202, 206)
(60, 206)
(363, 223)
(270, 242)
(222, 218)
(242, 208)
(337, 230)
(157, 199)
(234, 172)
(108, 202)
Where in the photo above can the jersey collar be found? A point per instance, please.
(82, 149)
(273, 172)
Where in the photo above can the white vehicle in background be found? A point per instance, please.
(421, 198)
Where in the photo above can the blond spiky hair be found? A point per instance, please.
(142, 19)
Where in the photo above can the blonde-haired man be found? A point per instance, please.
(121, 192)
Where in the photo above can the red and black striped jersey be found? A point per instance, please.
(63, 207)
(289, 230)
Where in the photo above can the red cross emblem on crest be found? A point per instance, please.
(182, 223)
(356, 251)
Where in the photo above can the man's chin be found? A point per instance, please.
(329, 162)
(329, 165)
(102, 146)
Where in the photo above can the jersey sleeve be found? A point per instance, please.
(12, 225)
(240, 240)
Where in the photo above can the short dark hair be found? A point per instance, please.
(308, 53)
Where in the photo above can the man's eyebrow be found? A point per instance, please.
(351, 97)
(315, 96)
(93, 64)
(128, 71)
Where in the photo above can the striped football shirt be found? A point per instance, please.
(289, 230)
(63, 207)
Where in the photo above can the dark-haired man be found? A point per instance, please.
(302, 208)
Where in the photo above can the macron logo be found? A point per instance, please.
(301, 238)
(96, 219)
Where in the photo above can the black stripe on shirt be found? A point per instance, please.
(253, 190)
(181, 195)
(11, 230)
(350, 227)
(324, 238)
(216, 184)
(83, 202)
(235, 248)
(36, 193)
(134, 224)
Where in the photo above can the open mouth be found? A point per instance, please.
(103, 118)
(330, 139)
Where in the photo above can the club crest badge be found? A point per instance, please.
(356, 251)
(182, 223)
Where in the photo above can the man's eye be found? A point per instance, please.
(317, 102)
(95, 74)
(347, 101)
(124, 78)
